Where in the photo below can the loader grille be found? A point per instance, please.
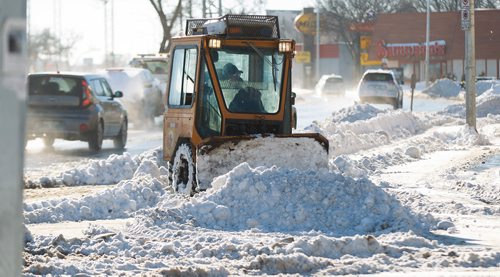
(250, 127)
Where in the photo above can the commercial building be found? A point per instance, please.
(399, 40)
(334, 57)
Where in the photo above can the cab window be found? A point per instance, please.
(183, 75)
(209, 119)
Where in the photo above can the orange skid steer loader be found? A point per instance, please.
(229, 101)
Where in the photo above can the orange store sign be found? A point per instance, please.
(436, 48)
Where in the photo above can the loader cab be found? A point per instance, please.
(228, 77)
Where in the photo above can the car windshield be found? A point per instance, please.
(156, 67)
(333, 81)
(250, 78)
(378, 77)
(54, 85)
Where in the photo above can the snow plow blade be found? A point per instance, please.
(219, 155)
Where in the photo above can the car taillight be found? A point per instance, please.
(87, 96)
(84, 127)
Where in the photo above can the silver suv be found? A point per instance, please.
(74, 106)
(380, 87)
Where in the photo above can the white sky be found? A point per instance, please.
(137, 28)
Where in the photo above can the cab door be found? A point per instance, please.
(179, 118)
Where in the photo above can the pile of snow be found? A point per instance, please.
(443, 88)
(355, 113)
(100, 172)
(487, 103)
(302, 153)
(283, 200)
(142, 191)
(350, 137)
(483, 86)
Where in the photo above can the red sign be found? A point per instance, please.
(391, 50)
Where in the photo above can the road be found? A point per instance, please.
(310, 107)
(139, 140)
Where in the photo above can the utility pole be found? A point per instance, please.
(317, 40)
(470, 62)
(13, 59)
(112, 33)
(105, 33)
(427, 35)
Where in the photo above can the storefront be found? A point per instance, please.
(399, 40)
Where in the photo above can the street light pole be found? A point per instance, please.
(427, 32)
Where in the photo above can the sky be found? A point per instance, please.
(136, 25)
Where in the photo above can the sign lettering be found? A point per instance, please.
(436, 48)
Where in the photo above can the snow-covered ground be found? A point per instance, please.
(403, 192)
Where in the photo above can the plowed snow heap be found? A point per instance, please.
(229, 101)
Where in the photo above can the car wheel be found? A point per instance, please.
(121, 139)
(48, 141)
(182, 170)
(95, 140)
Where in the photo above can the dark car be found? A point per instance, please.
(75, 106)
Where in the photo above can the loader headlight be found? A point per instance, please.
(214, 43)
(285, 46)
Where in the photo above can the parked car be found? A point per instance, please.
(331, 85)
(75, 106)
(142, 95)
(485, 78)
(156, 63)
(380, 86)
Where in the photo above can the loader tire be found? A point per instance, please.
(183, 170)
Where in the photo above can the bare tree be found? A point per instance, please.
(454, 5)
(46, 47)
(212, 8)
(167, 22)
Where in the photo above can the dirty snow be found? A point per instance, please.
(377, 209)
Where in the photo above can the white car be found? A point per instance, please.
(330, 85)
(142, 95)
(380, 86)
(156, 63)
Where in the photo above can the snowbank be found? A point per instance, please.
(483, 86)
(350, 137)
(144, 190)
(100, 172)
(283, 200)
(488, 103)
(443, 88)
(355, 113)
